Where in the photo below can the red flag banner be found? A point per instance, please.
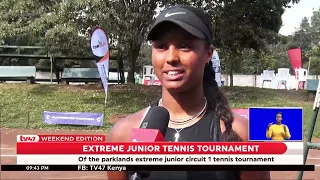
(295, 58)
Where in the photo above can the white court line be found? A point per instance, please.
(6, 148)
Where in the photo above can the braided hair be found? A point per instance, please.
(218, 102)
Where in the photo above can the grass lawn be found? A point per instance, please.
(22, 105)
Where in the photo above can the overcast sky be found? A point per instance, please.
(292, 16)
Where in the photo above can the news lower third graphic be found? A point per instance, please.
(93, 153)
(57, 149)
(281, 124)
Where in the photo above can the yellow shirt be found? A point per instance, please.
(276, 132)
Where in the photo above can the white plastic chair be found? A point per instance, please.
(301, 76)
(267, 75)
(283, 76)
(148, 73)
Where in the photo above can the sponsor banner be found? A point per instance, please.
(103, 68)
(100, 48)
(216, 67)
(73, 118)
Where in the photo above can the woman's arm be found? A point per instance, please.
(115, 136)
(121, 132)
(269, 131)
(241, 127)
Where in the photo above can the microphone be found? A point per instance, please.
(154, 126)
(153, 129)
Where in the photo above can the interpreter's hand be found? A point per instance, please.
(283, 134)
(284, 128)
(269, 124)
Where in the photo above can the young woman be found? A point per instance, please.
(181, 56)
(278, 131)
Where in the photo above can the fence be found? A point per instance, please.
(255, 80)
(53, 73)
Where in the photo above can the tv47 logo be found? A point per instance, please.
(27, 138)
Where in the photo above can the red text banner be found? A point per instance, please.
(153, 148)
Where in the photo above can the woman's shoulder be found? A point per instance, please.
(121, 130)
(241, 126)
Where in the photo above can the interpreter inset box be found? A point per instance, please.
(276, 124)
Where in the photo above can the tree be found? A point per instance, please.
(52, 24)
(314, 58)
(254, 62)
(307, 38)
(274, 56)
(302, 38)
(128, 23)
(145, 57)
(247, 24)
(307, 35)
(279, 51)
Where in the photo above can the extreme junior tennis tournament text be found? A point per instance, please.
(171, 148)
(165, 153)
